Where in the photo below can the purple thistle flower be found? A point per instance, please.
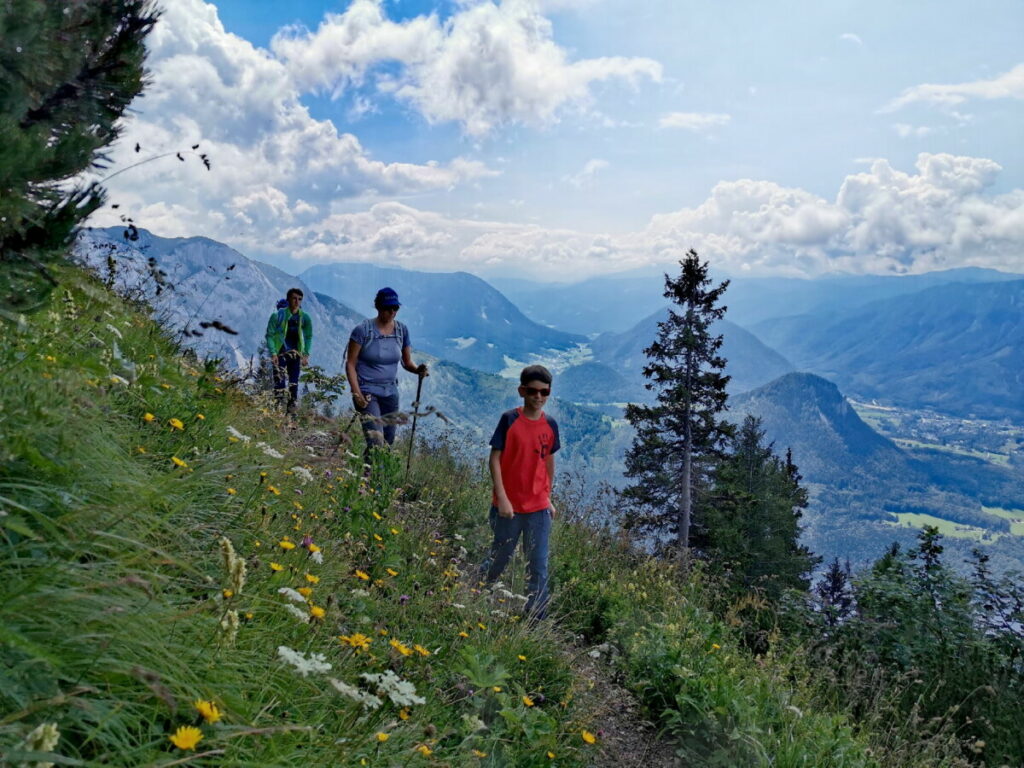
(403, 599)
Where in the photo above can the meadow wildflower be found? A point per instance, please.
(368, 700)
(402, 649)
(424, 750)
(148, 417)
(186, 737)
(178, 462)
(276, 567)
(521, 657)
(382, 737)
(527, 701)
(43, 738)
(362, 575)
(268, 451)
(115, 379)
(238, 435)
(285, 544)
(291, 594)
(587, 736)
(391, 572)
(228, 593)
(209, 711)
(176, 424)
(403, 713)
(316, 612)
(303, 474)
(229, 627)
(272, 489)
(478, 753)
(305, 591)
(401, 692)
(421, 650)
(315, 662)
(317, 556)
(357, 640)
(551, 755)
(312, 579)
(304, 618)
(232, 491)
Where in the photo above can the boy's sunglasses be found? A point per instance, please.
(535, 391)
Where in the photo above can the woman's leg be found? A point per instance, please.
(373, 435)
(388, 407)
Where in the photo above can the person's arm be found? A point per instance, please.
(504, 505)
(272, 328)
(307, 337)
(410, 366)
(352, 356)
(549, 464)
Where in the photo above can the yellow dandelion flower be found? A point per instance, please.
(228, 593)
(297, 505)
(478, 753)
(200, 417)
(232, 491)
(186, 737)
(421, 650)
(362, 575)
(527, 701)
(378, 537)
(313, 548)
(376, 516)
(392, 572)
(521, 657)
(424, 750)
(382, 737)
(286, 545)
(588, 737)
(497, 689)
(140, 449)
(402, 649)
(147, 417)
(403, 714)
(394, 531)
(551, 755)
(481, 625)
(276, 567)
(357, 640)
(317, 612)
(305, 591)
(382, 631)
(208, 710)
(312, 579)
(166, 386)
(249, 614)
(273, 490)
(463, 634)
(178, 462)
(176, 424)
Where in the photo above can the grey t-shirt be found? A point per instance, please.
(379, 356)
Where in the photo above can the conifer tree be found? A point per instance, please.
(752, 528)
(68, 71)
(682, 433)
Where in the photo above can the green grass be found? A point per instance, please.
(1015, 516)
(118, 609)
(946, 527)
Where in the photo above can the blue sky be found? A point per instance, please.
(573, 137)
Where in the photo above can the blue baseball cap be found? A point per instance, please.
(387, 297)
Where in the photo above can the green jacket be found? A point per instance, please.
(277, 329)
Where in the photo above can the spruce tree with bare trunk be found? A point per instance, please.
(681, 435)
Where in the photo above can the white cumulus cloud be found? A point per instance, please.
(586, 174)
(698, 122)
(1009, 85)
(485, 66)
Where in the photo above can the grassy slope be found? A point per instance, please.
(112, 592)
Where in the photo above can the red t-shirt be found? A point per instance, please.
(524, 446)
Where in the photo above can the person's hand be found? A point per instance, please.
(422, 370)
(360, 400)
(275, 361)
(505, 509)
(554, 512)
(305, 360)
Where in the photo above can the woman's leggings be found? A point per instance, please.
(376, 430)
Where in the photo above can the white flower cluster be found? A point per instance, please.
(233, 565)
(317, 557)
(291, 594)
(315, 662)
(368, 700)
(113, 329)
(268, 451)
(303, 474)
(229, 627)
(304, 618)
(238, 435)
(43, 738)
(401, 692)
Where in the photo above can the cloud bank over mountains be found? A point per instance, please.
(287, 183)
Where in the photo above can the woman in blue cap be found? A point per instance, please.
(375, 348)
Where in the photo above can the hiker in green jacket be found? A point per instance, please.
(289, 338)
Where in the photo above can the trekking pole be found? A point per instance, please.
(415, 415)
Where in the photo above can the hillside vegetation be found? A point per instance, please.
(172, 557)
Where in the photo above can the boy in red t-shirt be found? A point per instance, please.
(523, 467)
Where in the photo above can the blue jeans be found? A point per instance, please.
(380, 405)
(535, 528)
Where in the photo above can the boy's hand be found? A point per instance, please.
(305, 360)
(505, 509)
(554, 512)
